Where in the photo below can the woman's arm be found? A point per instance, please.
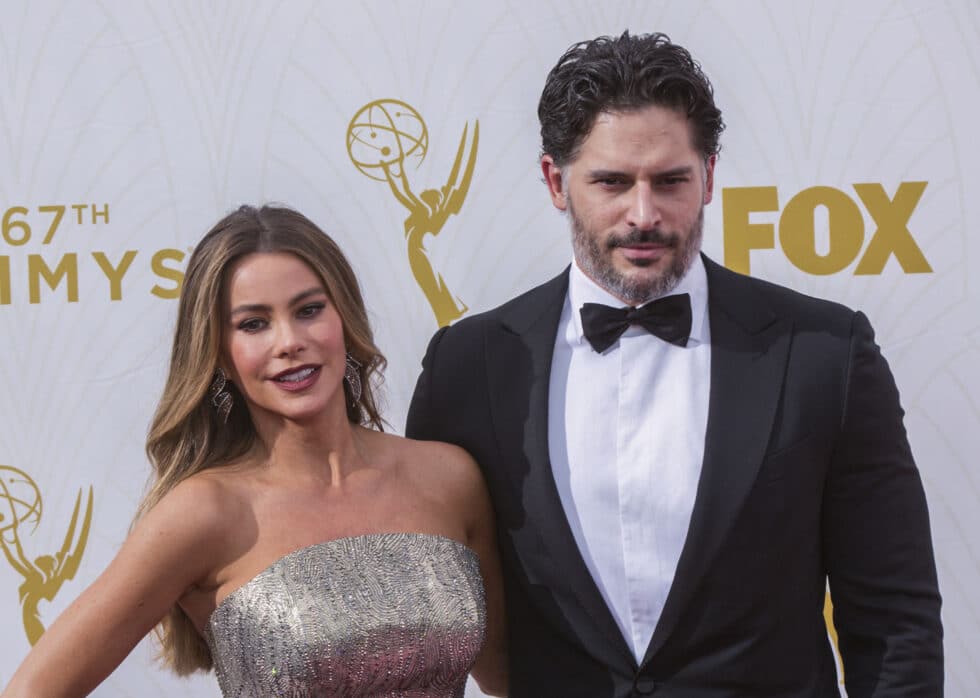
(168, 551)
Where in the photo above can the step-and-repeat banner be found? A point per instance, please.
(849, 170)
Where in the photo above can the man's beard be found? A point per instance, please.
(596, 260)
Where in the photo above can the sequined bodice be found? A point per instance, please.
(393, 614)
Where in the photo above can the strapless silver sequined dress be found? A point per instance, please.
(393, 614)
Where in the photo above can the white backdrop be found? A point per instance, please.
(149, 120)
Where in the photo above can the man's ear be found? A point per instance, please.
(554, 179)
(709, 178)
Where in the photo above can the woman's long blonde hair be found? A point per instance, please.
(187, 435)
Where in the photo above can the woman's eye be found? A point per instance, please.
(251, 325)
(310, 310)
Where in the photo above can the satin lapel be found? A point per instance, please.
(519, 352)
(749, 348)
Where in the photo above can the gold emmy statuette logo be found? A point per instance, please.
(20, 506)
(828, 617)
(382, 138)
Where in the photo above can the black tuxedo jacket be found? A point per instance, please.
(807, 475)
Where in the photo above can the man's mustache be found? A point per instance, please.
(655, 236)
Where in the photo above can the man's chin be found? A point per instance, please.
(634, 288)
(644, 271)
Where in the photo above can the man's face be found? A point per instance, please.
(635, 195)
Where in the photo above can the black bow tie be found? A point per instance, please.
(668, 318)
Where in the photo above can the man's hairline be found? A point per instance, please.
(576, 151)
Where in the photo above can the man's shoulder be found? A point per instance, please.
(730, 287)
(519, 310)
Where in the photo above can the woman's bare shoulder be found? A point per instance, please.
(202, 509)
(443, 468)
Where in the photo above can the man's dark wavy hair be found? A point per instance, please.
(610, 74)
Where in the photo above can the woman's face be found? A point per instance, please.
(282, 338)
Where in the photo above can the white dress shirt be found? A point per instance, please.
(626, 435)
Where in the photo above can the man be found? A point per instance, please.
(675, 485)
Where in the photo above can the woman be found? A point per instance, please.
(287, 540)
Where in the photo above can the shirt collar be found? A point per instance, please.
(582, 289)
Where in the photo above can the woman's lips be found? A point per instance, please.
(296, 379)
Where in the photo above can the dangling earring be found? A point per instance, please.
(221, 398)
(353, 377)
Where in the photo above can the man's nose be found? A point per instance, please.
(643, 212)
